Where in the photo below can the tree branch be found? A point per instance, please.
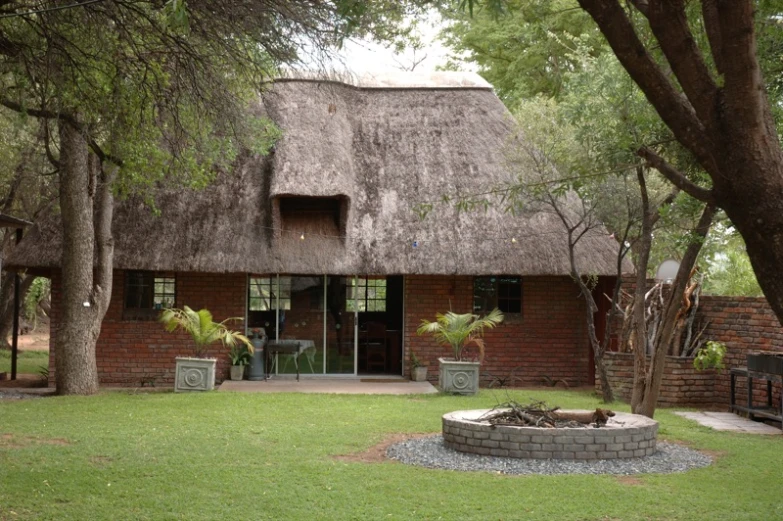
(67, 118)
(666, 202)
(744, 87)
(669, 24)
(47, 145)
(675, 176)
(674, 109)
(709, 11)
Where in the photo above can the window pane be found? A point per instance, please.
(484, 294)
(138, 290)
(510, 295)
(146, 290)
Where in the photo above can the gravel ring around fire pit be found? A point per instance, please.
(431, 453)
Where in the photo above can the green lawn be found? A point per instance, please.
(28, 361)
(229, 456)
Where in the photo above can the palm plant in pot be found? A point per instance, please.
(459, 374)
(240, 357)
(197, 373)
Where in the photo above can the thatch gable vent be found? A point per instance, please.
(295, 216)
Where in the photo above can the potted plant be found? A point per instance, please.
(196, 373)
(459, 375)
(419, 370)
(240, 357)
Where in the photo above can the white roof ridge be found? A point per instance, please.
(394, 79)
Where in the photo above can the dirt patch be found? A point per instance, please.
(631, 481)
(37, 341)
(24, 380)
(377, 453)
(12, 441)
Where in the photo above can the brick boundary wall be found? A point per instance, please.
(628, 436)
(744, 324)
(682, 385)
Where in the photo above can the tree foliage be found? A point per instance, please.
(134, 94)
(712, 73)
(202, 329)
(459, 330)
(525, 50)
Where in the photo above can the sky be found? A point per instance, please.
(361, 56)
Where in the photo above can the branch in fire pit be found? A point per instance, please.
(537, 414)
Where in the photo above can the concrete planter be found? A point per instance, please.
(237, 372)
(419, 374)
(195, 374)
(458, 377)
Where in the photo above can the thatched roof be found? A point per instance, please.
(382, 148)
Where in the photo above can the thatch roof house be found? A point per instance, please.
(339, 197)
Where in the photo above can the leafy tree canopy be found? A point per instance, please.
(165, 89)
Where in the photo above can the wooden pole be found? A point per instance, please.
(15, 333)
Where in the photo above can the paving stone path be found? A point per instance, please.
(727, 421)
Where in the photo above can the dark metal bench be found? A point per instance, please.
(769, 411)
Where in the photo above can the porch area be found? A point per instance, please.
(331, 386)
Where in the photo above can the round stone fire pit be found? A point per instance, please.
(624, 436)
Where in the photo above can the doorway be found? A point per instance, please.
(346, 325)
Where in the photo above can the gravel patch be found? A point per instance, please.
(16, 395)
(431, 453)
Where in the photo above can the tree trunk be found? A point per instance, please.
(753, 200)
(640, 324)
(664, 339)
(85, 290)
(590, 309)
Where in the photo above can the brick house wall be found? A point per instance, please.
(132, 352)
(549, 337)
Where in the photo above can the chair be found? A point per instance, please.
(375, 347)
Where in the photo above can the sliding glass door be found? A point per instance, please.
(344, 325)
(340, 327)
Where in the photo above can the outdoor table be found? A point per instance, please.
(292, 348)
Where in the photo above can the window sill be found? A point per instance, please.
(140, 315)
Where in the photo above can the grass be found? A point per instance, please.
(229, 456)
(27, 362)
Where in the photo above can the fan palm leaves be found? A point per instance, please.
(460, 330)
(200, 326)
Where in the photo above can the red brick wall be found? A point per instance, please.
(744, 324)
(682, 384)
(547, 339)
(129, 352)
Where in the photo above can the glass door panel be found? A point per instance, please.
(301, 318)
(340, 326)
